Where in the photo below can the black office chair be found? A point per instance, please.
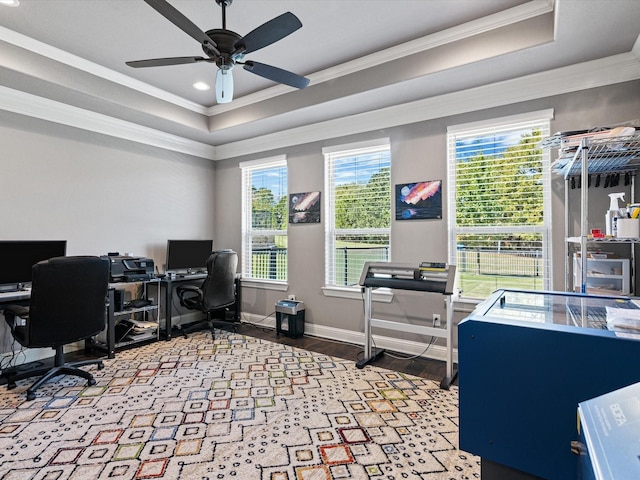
(216, 294)
(67, 305)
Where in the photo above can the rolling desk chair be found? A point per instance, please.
(216, 294)
(67, 305)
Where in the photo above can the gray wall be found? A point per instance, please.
(418, 153)
(103, 194)
(100, 194)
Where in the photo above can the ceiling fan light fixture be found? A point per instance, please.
(224, 86)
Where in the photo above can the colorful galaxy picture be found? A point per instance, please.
(419, 201)
(304, 207)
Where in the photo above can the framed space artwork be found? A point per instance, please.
(419, 200)
(304, 207)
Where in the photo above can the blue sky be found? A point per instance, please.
(488, 144)
(271, 180)
(370, 164)
(345, 173)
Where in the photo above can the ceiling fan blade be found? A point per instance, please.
(169, 12)
(162, 62)
(268, 33)
(276, 74)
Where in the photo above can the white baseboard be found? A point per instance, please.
(405, 347)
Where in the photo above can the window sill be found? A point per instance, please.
(264, 284)
(465, 304)
(383, 295)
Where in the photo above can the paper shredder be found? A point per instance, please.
(290, 318)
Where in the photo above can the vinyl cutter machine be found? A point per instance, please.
(429, 277)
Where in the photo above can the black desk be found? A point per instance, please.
(170, 282)
(109, 346)
(20, 297)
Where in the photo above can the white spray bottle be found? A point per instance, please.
(613, 212)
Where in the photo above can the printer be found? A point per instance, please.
(129, 269)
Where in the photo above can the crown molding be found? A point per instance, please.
(606, 71)
(470, 29)
(66, 58)
(498, 20)
(50, 110)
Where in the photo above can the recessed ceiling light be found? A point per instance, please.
(10, 3)
(198, 85)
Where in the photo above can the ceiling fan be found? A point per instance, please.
(227, 49)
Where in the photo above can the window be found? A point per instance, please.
(358, 206)
(499, 199)
(264, 219)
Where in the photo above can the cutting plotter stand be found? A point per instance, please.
(429, 277)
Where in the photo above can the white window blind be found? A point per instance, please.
(358, 206)
(499, 204)
(264, 219)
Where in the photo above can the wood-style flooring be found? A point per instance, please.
(420, 367)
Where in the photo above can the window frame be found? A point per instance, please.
(511, 122)
(330, 288)
(248, 232)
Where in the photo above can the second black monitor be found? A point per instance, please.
(188, 255)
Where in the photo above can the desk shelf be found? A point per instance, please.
(107, 340)
(134, 342)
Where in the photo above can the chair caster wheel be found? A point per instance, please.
(11, 385)
(31, 395)
(91, 381)
(100, 366)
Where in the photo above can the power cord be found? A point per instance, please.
(257, 324)
(431, 342)
(16, 355)
(398, 357)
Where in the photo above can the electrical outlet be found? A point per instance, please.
(291, 297)
(436, 320)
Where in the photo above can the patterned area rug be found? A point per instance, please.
(233, 407)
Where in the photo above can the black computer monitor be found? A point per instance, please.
(18, 256)
(188, 255)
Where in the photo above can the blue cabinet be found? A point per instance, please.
(526, 360)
